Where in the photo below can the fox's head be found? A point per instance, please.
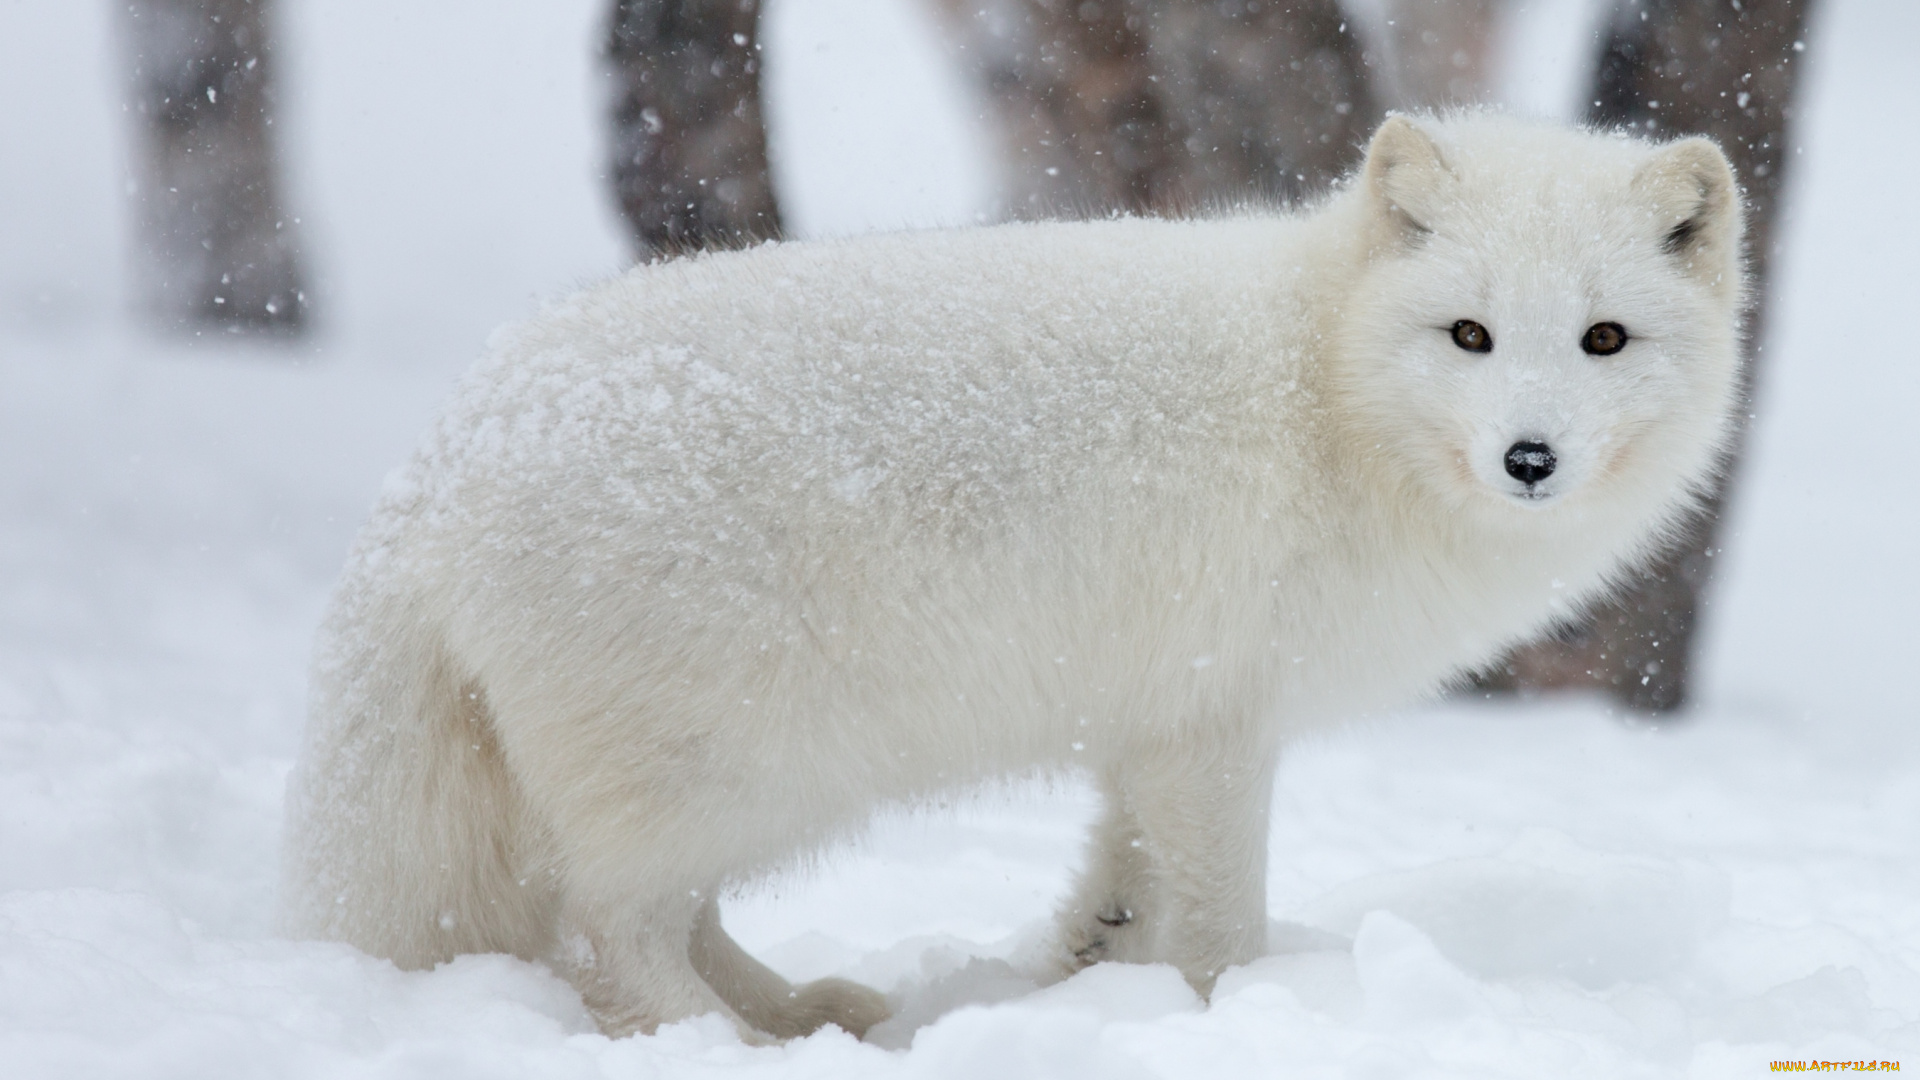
(1546, 321)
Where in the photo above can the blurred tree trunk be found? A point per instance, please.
(1440, 52)
(689, 144)
(1680, 67)
(1163, 105)
(218, 247)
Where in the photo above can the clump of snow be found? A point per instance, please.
(1476, 891)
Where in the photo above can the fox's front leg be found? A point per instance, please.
(1179, 870)
(1106, 916)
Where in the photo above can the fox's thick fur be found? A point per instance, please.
(708, 561)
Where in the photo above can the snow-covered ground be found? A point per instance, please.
(1522, 891)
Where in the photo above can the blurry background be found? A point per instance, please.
(181, 468)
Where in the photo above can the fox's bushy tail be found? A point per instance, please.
(406, 835)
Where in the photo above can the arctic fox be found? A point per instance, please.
(707, 562)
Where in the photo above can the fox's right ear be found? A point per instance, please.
(1406, 178)
(1689, 187)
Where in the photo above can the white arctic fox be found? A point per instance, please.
(706, 562)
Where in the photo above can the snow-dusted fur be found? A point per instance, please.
(708, 561)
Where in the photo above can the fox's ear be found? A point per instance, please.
(1689, 187)
(1406, 177)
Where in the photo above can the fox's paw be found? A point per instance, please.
(1108, 935)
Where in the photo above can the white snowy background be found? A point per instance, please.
(1471, 891)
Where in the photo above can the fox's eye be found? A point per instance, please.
(1472, 337)
(1604, 339)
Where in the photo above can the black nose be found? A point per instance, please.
(1530, 462)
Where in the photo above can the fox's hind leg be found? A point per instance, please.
(769, 1002)
(631, 963)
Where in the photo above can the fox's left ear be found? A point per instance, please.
(1407, 179)
(1689, 187)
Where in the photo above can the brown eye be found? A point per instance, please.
(1604, 339)
(1471, 336)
